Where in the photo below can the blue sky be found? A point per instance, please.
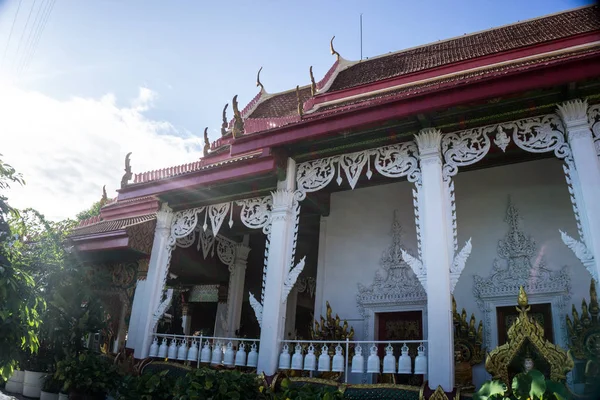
(172, 65)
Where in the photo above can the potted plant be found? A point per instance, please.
(87, 376)
(50, 388)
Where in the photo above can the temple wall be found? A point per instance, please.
(357, 231)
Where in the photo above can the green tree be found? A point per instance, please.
(20, 302)
(93, 211)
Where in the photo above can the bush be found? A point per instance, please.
(306, 392)
(147, 387)
(205, 383)
(87, 373)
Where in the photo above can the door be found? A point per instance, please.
(405, 325)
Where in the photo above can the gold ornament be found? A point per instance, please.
(527, 333)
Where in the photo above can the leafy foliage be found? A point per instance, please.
(147, 387)
(93, 211)
(530, 386)
(20, 301)
(205, 383)
(87, 373)
(306, 392)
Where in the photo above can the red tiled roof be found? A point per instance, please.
(281, 105)
(476, 45)
(112, 225)
(201, 165)
(437, 84)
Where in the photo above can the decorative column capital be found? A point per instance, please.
(241, 254)
(574, 115)
(164, 218)
(283, 200)
(429, 142)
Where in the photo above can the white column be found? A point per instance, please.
(133, 332)
(186, 318)
(122, 328)
(319, 308)
(157, 272)
(436, 260)
(280, 254)
(221, 319)
(587, 164)
(290, 314)
(235, 295)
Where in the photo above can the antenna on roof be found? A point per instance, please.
(361, 57)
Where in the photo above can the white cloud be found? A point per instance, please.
(66, 150)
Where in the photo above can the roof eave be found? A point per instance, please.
(567, 70)
(217, 175)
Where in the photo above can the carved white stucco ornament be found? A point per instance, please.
(594, 121)
(257, 307)
(400, 284)
(518, 249)
(291, 278)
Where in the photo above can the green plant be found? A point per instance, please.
(87, 373)
(205, 383)
(51, 384)
(20, 301)
(306, 392)
(530, 386)
(147, 387)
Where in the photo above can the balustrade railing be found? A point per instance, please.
(334, 356)
(230, 352)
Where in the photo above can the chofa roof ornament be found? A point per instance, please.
(258, 82)
(224, 123)
(299, 100)
(333, 51)
(128, 175)
(313, 85)
(238, 121)
(206, 142)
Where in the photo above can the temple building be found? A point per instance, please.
(413, 194)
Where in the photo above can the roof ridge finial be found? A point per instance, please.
(206, 142)
(313, 85)
(104, 197)
(333, 51)
(258, 82)
(128, 175)
(238, 121)
(224, 123)
(300, 105)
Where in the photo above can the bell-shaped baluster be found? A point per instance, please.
(205, 353)
(217, 354)
(229, 355)
(240, 355)
(193, 351)
(153, 348)
(172, 353)
(389, 361)
(284, 357)
(421, 361)
(297, 358)
(324, 360)
(252, 356)
(310, 361)
(182, 350)
(358, 361)
(404, 362)
(162, 350)
(373, 363)
(338, 360)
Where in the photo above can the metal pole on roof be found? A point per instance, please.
(361, 36)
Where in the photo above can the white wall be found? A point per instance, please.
(358, 230)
